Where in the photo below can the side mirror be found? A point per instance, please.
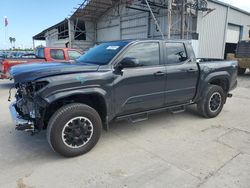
(129, 62)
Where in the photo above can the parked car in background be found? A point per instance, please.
(3, 55)
(15, 54)
(28, 55)
(41, 55)
(112, 81)
(242, 55)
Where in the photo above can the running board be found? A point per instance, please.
(177, 110)
(141, 116)
(138, 118)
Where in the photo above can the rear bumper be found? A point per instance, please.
(20, 123)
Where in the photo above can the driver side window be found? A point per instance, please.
(148, 54)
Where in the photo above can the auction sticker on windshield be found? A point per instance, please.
(112, 47)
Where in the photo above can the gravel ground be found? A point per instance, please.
(168, 150)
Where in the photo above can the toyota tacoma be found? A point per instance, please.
(113, 81)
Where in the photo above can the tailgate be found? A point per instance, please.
(12, 62)
(6, 64)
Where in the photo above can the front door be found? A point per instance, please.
(141, 88)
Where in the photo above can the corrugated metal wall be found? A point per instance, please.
(108, 29)
(240, 19)
(52, 39)
(212, 29)
(134, 26)
(124, 23)
(90, 37)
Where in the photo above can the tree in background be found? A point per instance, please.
(12, 40)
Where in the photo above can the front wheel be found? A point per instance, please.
(74, 129)
(212, 101)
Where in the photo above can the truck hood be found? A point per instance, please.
(33, 71)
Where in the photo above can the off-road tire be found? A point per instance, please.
(203, 106)
(241, 70)
(60, 118)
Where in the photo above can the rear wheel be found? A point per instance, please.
(212, 102)
(241, 70)
(74, 129)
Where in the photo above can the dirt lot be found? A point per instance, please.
(180, 150)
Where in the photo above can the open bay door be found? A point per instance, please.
(232, 38)
(233, 34)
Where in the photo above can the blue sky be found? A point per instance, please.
(29, 17)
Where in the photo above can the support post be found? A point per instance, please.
(182, 19)
(169, 18)
(70, 32)
(34, 46)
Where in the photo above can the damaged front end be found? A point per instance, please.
(28, 109)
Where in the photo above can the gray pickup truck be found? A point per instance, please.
(112, 81)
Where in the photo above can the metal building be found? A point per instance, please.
(213, 27)
(221, 29)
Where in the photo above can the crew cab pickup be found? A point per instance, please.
(41, 55)
(112, 81)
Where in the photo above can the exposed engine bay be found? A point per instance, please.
(28, 106)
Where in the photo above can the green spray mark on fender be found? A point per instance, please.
(81, 79)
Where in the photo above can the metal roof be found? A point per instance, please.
(94, 9)
(230, 6)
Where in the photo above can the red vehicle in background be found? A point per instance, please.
(41, 55)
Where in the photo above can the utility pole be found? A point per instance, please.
(183, 10)
(169, 18)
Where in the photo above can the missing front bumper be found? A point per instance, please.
(21, 124)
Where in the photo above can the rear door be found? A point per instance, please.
(182, 74)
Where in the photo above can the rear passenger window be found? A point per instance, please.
(176, 53)
(57, 54)
(148, 54)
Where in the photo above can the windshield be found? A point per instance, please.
(102, 54)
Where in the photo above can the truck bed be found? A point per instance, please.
(5, 64)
